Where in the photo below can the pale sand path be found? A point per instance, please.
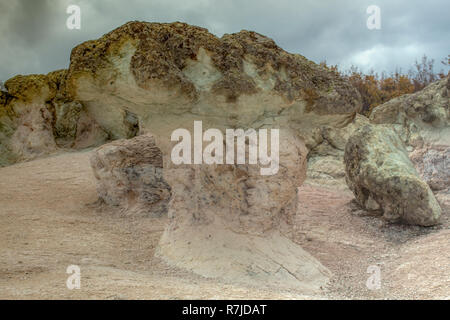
(48, 222)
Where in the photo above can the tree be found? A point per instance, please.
(423, 74)
(376, 89)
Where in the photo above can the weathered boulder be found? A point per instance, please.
(420, 119)
(27, 123)
(129, 176)
(37, 118)
(382, 177)
(169, 76)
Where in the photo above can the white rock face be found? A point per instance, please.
(129, 176)
(382, 177)
(272, 260)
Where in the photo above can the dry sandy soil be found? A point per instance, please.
(49, 220)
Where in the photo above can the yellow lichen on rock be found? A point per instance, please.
(163, 50)
(37, 116)
(35, 87)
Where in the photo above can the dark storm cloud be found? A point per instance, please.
(34, 37)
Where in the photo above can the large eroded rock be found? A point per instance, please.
(421, 118)
(224, 218)
(422, 121)
(37, 118)
(382, 177)
(25, 120)
(129, 176)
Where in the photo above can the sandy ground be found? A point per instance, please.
(48, 221)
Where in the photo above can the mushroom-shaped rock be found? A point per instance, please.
(224, 212)
(129, 176)
(382, 177)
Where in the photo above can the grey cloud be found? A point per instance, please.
(34, 38)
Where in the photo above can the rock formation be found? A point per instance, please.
(382, 177)
(422, 121)
(224, 218)
(129, 176)
(422, 118)
(37, 118)
(25, 120)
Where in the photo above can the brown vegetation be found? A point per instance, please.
(376, 89)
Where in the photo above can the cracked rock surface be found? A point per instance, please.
(129, 176)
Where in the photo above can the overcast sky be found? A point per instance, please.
(34, 37)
